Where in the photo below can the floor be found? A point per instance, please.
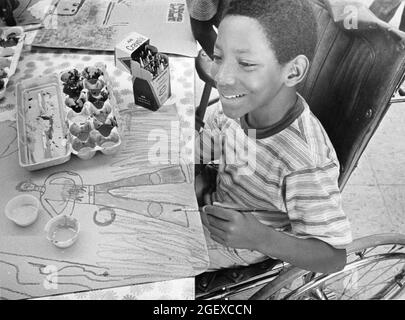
(374, 197)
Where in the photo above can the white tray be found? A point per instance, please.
(43, 139)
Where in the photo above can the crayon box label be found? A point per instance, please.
(150, 91)
(124, 49)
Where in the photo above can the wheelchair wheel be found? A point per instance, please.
(375, 270)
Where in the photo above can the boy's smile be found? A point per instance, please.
(234, 96)
(248, 76)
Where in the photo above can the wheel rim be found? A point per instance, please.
(375, 273)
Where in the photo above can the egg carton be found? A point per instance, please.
(11, 43)
(53, 123)
(92, 114)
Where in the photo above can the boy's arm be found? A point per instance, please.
(240, 230)
(309, 254)
(318, 223)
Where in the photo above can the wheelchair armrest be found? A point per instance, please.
(355, 17)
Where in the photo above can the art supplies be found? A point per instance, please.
(11, 43)
(126, 47)
(62, 231)
(239, 209)
(149, 69)
(53, 123)
(22, 209)
(41, 127)
(92, 114)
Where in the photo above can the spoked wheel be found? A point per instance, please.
(375, 270)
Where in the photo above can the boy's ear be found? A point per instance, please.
(296, 70)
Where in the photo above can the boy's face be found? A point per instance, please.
(245, 68)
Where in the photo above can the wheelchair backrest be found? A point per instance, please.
(358, 64)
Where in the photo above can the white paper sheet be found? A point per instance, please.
(165, 22)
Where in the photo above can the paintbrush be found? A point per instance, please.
(186, 210)
(229, 206)
(225, 206)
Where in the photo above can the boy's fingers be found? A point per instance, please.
(226, 205)
(217, 232)
(207, 198)
(221, 213)
(217, 239)
(217, 223)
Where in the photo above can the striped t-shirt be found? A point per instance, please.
(288, 173)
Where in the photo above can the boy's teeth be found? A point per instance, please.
(234, 96)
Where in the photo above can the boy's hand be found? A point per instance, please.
(233, 228)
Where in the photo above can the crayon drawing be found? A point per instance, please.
(132, 231)
(134, 224)
(8, 134)
(67, 30)
(108, 22)
(127, 204)
(61, 191)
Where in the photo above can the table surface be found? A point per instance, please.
(131, 232)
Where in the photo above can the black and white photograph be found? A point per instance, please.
(206, 153)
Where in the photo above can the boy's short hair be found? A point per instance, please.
(290, 25)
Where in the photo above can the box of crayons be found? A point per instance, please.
(126, 47)
(149, 69)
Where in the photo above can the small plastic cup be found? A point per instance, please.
(62, 231)
(23, 209)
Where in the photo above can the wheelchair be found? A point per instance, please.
(354, 78)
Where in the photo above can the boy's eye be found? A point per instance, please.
(247, 64)
(216, 58)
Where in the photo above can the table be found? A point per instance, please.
(145, 240)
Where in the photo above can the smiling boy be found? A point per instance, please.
(287, 205)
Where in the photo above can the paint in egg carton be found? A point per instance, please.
(53, 123)
(11, 43)
(92, 111)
